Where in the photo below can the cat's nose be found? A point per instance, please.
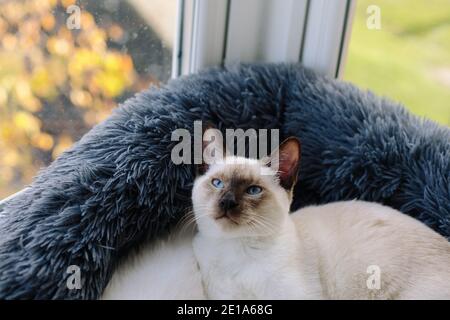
(228, 202)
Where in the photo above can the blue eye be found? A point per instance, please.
(217, 183)
(254, 190)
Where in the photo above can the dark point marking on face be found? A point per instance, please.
(233, 200)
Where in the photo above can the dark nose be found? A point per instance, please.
(228, 202)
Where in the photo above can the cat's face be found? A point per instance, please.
(240, 197)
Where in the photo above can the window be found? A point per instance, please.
(223, 32)
(405, 55)
(64, 65)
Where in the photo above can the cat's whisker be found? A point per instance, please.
(261, 231)
(185, 219)
(256, 227)
(191, 218)
(264, 223)
(190, 211)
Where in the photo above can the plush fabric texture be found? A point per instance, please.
(117, 186)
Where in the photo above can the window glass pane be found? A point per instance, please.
(64, 65)
(405, 54)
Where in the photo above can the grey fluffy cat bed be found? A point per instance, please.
(117, 187)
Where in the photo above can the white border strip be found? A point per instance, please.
(327, 35)
(265, 30)
(201, 35)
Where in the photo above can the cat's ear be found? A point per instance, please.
(286, 162)
(212, 148)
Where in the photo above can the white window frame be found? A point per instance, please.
(327, 35)
(223, 32)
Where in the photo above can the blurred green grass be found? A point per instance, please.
(408, 60)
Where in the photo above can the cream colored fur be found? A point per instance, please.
(341, 240)
(319, 252)
(166, 269)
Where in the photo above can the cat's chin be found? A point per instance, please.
(222, 227)
(224, 219)
(229, 229)
(227, 224)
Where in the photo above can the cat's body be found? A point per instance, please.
(352, 241)
(332, 251)
(248, 246)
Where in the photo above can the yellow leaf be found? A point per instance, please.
(80, 98)
(10, 158)
(26, 122)
(59, 46)
(111, 84)
(112, 62)
(48, 22)
(97, 39)
(6, 132)
(87, 20)
(25, 96)
(115, 62)
(3, 97)
(42, 83)
(64, 142)
(82, 61)
(58, 69)
(42, 141)
(9, 41)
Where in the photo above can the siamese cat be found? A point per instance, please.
(248, 245)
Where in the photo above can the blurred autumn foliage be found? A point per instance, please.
(55, 83)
